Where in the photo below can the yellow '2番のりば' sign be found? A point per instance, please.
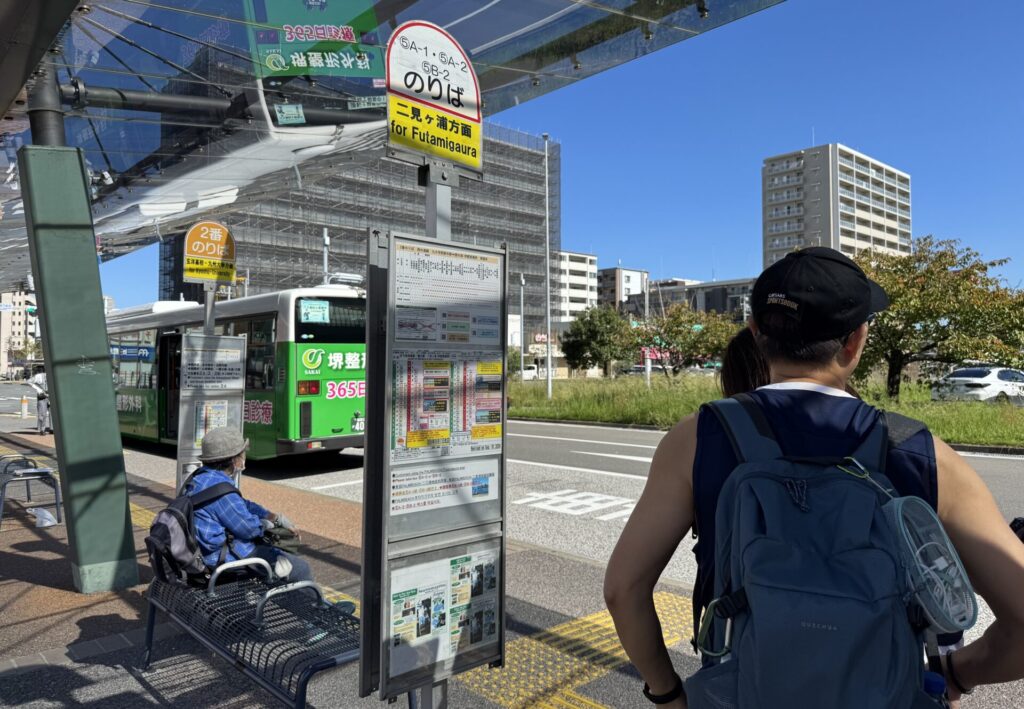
(209, 254)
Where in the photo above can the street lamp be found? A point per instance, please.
(547, 265)
(522, 326)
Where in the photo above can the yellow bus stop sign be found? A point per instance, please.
(209, 254)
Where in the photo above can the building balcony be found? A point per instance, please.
(785, 227)
(786, 167)
(791, 197)
(786, 212)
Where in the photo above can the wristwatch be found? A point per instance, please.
(952, 676)
(669, 696)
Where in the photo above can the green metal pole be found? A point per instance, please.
(62, 245)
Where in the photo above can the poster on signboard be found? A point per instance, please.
(474, 600)
(445, 404)
(419, 616)
(209, 414)
(447, 295)
(442, 608)
(437, 485)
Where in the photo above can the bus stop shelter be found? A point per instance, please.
(123, 119)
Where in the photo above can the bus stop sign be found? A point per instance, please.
(209, 254)
(433, 96)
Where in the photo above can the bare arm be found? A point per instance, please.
(661, 519)
(994, 559)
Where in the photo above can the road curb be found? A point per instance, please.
(991, 450)
(599, 424)
(961, 447)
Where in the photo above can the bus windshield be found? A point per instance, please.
(330, 320)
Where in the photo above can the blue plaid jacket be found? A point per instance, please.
(231, 513)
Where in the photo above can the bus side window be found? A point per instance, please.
(259, 359)
(115, 358)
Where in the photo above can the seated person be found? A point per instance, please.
(231, 527)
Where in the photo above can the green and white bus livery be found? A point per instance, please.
(305, 369)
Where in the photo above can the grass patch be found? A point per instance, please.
(627, 400)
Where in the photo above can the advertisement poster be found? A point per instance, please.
(441, 608)
(447, 296)
(437, 485)
(210, 414)
(474, 600)
(419, 616)
(445, 404)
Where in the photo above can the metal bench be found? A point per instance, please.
(279, 635)
(17, 468)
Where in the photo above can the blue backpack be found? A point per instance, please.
(812, 605)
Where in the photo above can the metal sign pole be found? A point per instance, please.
(209, 290)
(439, 178)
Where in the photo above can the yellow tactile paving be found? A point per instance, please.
(546, 669)
(141, 517)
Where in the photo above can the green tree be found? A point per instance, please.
(946, 306)
(33, 350)
(684, 336)
(515, 361)
(596, 338)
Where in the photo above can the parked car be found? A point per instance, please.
(530, 372)
(980, 383)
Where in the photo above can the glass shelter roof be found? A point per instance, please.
(236, 62)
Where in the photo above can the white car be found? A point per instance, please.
(980, 383)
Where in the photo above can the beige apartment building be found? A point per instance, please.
(832, 195)
(17, 326)
(576, 285)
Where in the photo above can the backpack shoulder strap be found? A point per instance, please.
(747, 428)
(902, 428)
(873, 451)
(214, 492)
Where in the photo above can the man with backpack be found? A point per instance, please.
(229, 527)
(800, 586)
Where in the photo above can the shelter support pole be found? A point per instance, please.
(62, 245)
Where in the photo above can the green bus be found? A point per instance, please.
(305, 367)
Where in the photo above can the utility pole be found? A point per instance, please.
(547, 265)
(522, 326)
(327, 249)
(647, 350)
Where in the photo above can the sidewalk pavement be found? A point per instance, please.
(46, 625)
(59, 648)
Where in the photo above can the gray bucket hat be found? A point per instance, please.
(222, 443)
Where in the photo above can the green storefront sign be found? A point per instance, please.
(315, 38)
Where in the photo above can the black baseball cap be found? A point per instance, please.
(822, 291)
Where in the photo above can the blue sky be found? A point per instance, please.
(662, 156)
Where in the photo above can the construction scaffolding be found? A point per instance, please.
(279, 240)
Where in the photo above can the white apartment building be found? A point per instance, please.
(615, 285)
(576, 286)
(16, 324)
(832, 195)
